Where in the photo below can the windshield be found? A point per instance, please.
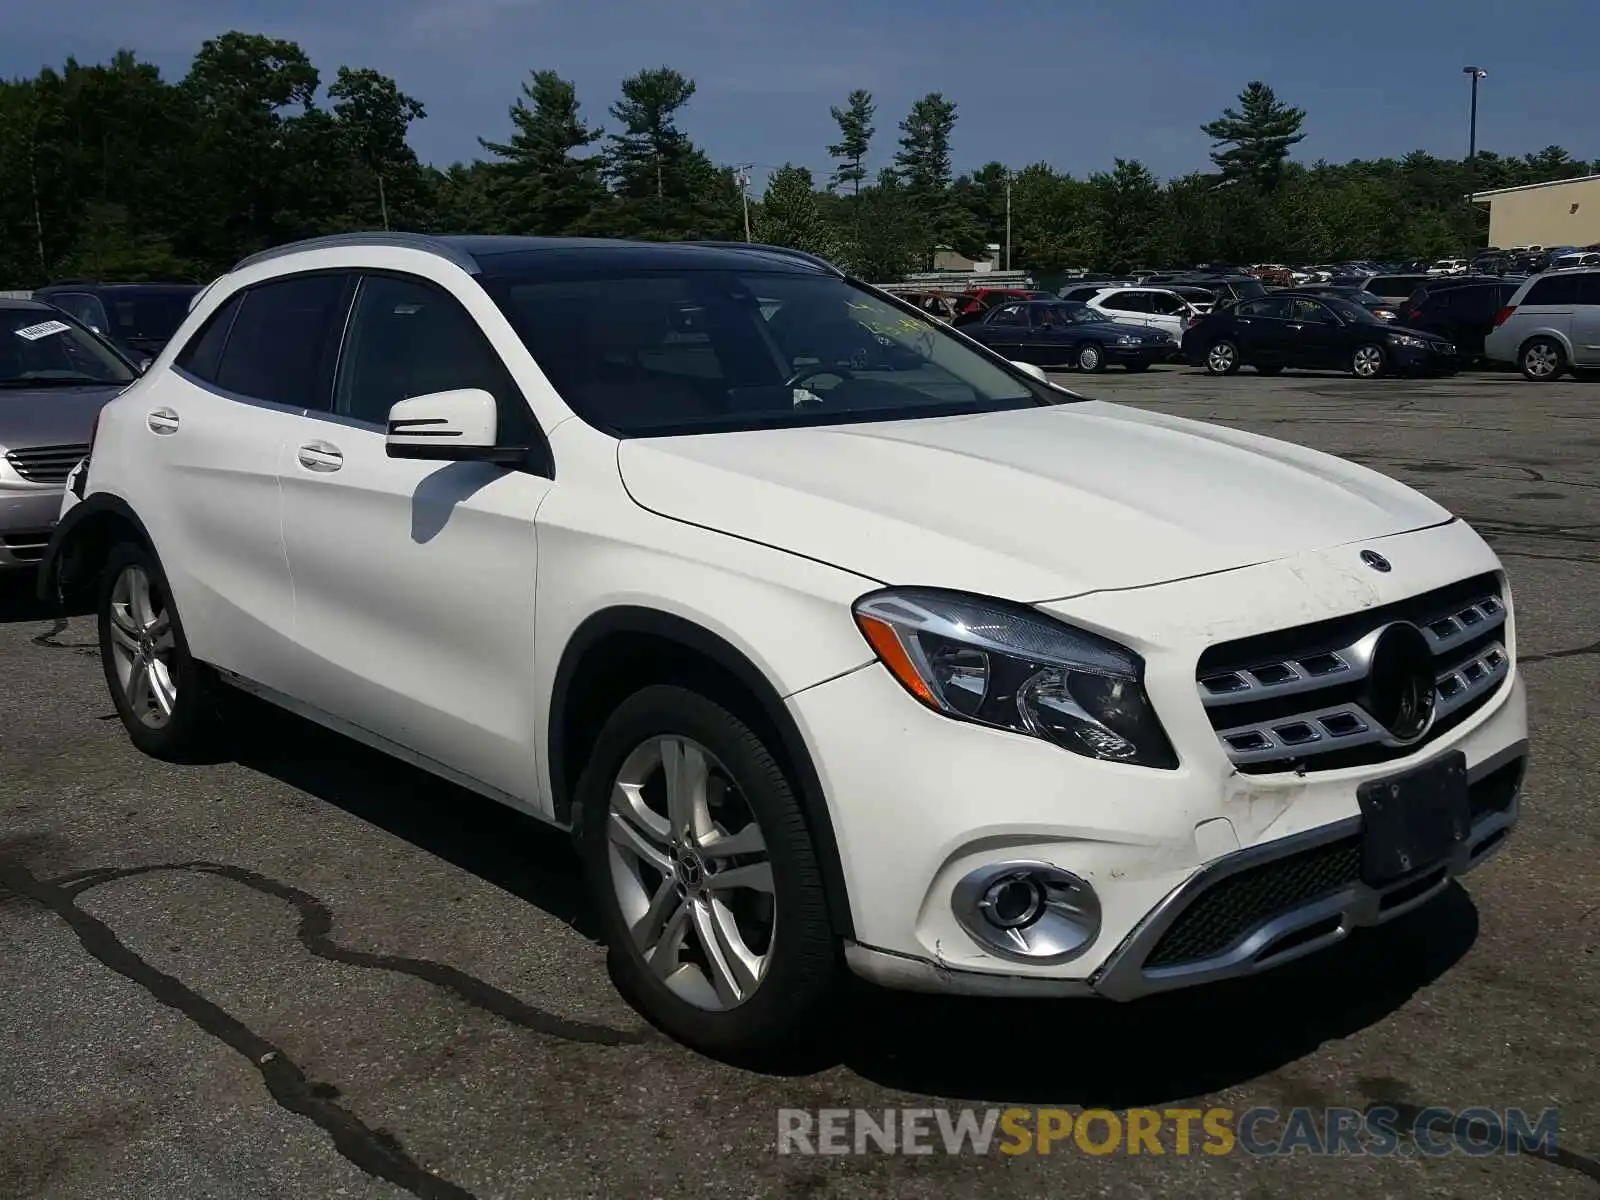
(1349, 310)
(712, 351)
(38, 350)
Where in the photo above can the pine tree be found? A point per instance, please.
(1252, 141)
(923, 166)
(790, 215)
(547, 187)
(855, 139)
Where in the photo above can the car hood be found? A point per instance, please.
(51, 416)
(1035, 504)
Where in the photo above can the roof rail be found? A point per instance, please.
(783, 251)
(333, 241)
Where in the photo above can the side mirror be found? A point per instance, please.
(454, 426)
(1031, 369)
(144, 364)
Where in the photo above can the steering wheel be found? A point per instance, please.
(815, 369)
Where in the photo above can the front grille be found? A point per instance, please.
(47, 464)
(1227, 913)
(1296, 699)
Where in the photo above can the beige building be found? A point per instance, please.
(1565, 212)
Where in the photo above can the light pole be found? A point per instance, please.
(1475, 73)
(1008, 218)
(744, 191)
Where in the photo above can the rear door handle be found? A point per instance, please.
(162, 420)
(321, 456)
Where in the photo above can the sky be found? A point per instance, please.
(1075, 83)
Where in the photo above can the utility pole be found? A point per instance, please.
(1476, 73)
(743, 177)
(1008, 218)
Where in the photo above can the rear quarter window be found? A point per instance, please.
(1558, 289)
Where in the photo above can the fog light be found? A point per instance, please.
(1012, 902)
(1028, 911)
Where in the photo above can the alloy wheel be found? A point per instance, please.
(1541, 361)
(1221, 358)
(1368, 362)
(1089, 358)
(691, 873)
(143, 648)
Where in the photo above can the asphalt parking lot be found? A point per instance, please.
(311, 972)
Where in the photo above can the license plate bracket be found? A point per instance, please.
(1413, 820)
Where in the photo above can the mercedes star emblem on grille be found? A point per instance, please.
(1400, 684)
(1375, 560)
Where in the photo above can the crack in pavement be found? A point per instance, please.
(377, 1152)
(1571, 652)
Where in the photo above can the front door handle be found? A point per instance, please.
(162, 420)
(321, 456)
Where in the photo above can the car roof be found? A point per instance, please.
(87, 285)
(18, 303)
(493, 254)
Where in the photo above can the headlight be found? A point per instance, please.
(1129, 339)
(1405, 339)
(1010, 667)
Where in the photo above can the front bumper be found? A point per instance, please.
(920, 802)
(26, 518)
(1412, 360)
(1149, 352)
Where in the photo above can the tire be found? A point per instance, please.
(1222, 357)
(1368, 361)
(1270, 369)
(1090, 358)
(1542, 360)
(169, 703)
(1137, 366)
(784, 969)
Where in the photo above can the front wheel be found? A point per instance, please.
(704, 877)
(1368, 362)
(168, 702)
(1090, 358)
(1542, 360)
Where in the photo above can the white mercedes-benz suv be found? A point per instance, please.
(838, 641)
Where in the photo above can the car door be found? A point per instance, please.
(1127, 307)
(1258, 329)
(1313, 335)
(214, 428)
(414, 580)
(1007, 331)
(1168, 312)
(1586, 322)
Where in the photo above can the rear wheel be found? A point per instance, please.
(1222, 358)
(704, 876)
(1090, 358)
(168, 702)
(1368, 361)
(1542, 360)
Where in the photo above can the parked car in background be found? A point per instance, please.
(1376, 305)
(1051, 333)
(137, 317)
(833, 655)
(1575, 258)
(1294, 329)
(1448, 266)
(1551, 324)
(1152, 307)
(54, 377)
(1464, 313)
(1396, 286)
(1085, 292)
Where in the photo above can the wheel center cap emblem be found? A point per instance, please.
(690, 870)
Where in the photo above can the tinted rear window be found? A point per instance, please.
(283, 341)
(1557, 289)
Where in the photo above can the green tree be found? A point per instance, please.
(790, 215)
(1252, 141)
(923, 165)
(855, 139)
(643, 157)
(373, 119)
(549, 187)
(887, 244)
(1128, 210)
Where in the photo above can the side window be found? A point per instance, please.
(1010, 314)
(85, 307)
(202, 356)
(283, 340)
(408, 338)
(1127, 302)
(1558, 289)
(1262, 308)
(1164, 303)
(1589, 288)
